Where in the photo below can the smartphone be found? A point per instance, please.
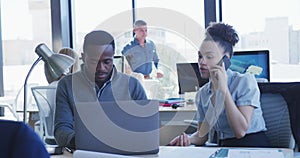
(226, 61)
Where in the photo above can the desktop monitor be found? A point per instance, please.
(189, 78)
(255, 62)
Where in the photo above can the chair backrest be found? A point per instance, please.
(45, 100)
(280, 104)
(18, 101)
(276, 115)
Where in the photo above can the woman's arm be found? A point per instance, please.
(239, 117)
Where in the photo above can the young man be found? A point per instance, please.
(140, 52)
(98, 80)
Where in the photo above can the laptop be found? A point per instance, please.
(118, 127)
(89, 154)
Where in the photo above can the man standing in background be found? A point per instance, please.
(141, 52)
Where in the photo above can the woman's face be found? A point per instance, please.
(210, 54)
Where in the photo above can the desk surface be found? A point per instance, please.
(186, 107)
(179, 152)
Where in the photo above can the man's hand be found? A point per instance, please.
(159, 74)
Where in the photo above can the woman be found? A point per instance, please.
(229, 102)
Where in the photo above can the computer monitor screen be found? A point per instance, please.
(119, 63)
(255, 62)
(189, 78)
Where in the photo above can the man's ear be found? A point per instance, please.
(134, 29)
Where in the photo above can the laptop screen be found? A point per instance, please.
(118, 127)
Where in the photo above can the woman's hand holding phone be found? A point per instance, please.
(226, 62)
(218, 73)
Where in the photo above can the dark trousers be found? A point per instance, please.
(258, 139)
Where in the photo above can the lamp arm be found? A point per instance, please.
(25, 88)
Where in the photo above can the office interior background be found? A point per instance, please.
(176, 27)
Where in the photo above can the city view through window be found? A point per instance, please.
(262, 26)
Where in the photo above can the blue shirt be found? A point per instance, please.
(244, 91)
(140, 58)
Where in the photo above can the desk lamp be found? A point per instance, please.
(57, 64)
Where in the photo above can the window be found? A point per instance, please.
(175, 38)
(114, 16)
(25, 24)
(272, 25)
(176, 28)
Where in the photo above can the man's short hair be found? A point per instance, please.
(139, 23)
(98, 37)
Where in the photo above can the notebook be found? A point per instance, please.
(118, 127)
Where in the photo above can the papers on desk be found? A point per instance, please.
(247, 153)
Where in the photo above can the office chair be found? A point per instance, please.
(45, 100)
(291, 110)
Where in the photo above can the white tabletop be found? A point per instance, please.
(172, 152)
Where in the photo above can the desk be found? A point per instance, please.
(170, 116)
(33, 114)
(190, 152)
(172, 121)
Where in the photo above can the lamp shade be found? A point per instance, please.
(57, 64)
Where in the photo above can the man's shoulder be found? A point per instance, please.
(123, 77)
(128, 46)
(70, 77)
(66, 78)
(150, 44)
(149, 40)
